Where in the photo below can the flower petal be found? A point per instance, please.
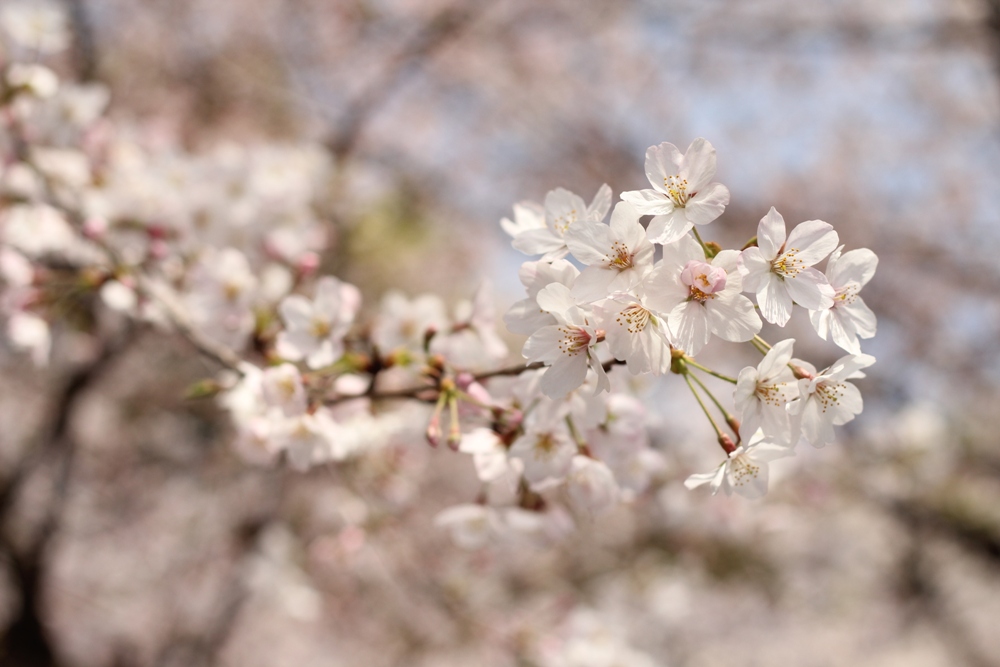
(771, 234)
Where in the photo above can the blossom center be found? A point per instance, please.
(787, 265)
(562, 222)
(620, 257)
(320, 328)
(771, 394)
(743, 470)
(829, 394)
(846, 295)
(677, 190)
(574, 339)
(545, 446)
(634, 317)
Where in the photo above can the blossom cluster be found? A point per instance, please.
(655, 316)
(225, 249)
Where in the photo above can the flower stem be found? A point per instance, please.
(760, 344)
(704, 248)
(697, 397)
(692, 362)
(725, 413)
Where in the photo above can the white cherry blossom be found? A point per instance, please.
(700, 298)
(636, 333)
(682, 195)
(763, 393)
(525, 317)
(282, 388)
(403, 323)
(546, 448)
(780, 271)
(849, 317)
(562, 210)
(40, 25)
(568, 347)
(591, 486)
(314, 330)
(616, 256)
(471, 526)
(826, 399)
(745, 472)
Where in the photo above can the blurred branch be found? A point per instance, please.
(84, 44)
(407, 62)
(26, 642)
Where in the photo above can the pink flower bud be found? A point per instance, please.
(703, 277)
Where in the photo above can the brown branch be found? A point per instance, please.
(415, 392)
(434, 35)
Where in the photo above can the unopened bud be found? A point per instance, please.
(727, 443)
(801, 373)
(308, 264)
(95, 228)
(433, 433)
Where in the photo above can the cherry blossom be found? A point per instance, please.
(780, 271)
(568, 347)
(562, 209)
(826, 399)
(591, 486)
(315, 329)
(616, 256)
(682, 195)
(763, 393)
(700, 298)
(525, 317)
(849, 317)
(745, 472)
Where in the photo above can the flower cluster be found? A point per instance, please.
(655, 316)
(225, 249)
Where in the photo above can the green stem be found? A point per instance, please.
(692, 362)
(708, 415)
(728, 417)
(704, 248)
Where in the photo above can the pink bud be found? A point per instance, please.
(95, 227)
(308, 263)
(704, 277)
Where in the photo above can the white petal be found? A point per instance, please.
(855, 266)
(662, 162)
(810, 289)
(814, 240)
(862, 317)
(734, 319)
(708, 205)
(771, 234)
(556, 299)
(565, 375)
(649, 202)
(590, 242)
(775, 362)
(537, 242)
(689, 326)
(774, 301)
(296, 311)
(714, 478)
(754, 268)
(699, 165)
(668, 228)
(593, 284)
(600, 205)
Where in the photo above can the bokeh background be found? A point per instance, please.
(160, 547)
